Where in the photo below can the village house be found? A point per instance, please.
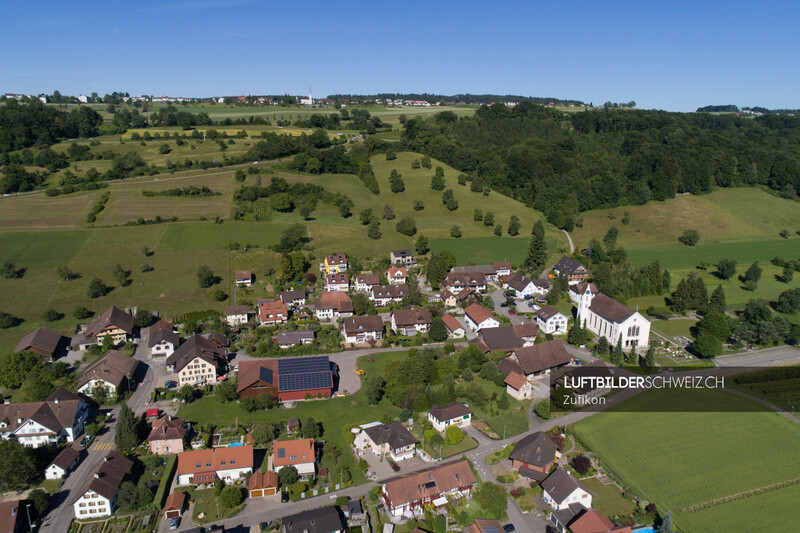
(236, 315)
(606, 317)
(13, 515)
(198, 361)
(244, 278)
(485, 272)
(98, 494)
(299, 453)
(396, 275)
(272, 312)
(383, 295)
(536, 360)
(551, 320)
(598, 367)
(114, 323)
(578, 519)
(167, 435)
(502, 268)
(411, 321)
(337, 282)
(196, 467)
(263, 484)
(362, 329)
(334, 264)
(575, 272)
(64, 463)
(294, 299)
(322, 520)
(402, 257)
(478, 318)
(111, 372)
(175, 505)
(287, 339)
(534, 455)
(452, 414)
(365, 282)
(465, 297)
(507, 338)
(289, 379)
(526, 288)
(333, 305)
(457, 282)
(518, 387)
(431, 487)
(47, 343)
(454, 327)
(162, 339)
(560, 489)
(391, 439)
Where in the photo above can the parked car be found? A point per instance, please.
(509, 528)
(86, 440)
(175, 522)
(284, 497)
(170, 384)
(503, 304)
(512, 312)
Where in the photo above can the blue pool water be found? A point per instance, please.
(645, 530)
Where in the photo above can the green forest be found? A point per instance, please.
(565, 163)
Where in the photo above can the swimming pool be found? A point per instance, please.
(645, 530)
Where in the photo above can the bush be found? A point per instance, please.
(51, 315)
(299, 488)
(690, 237)
(231, 496)
(581, 464)
(542, 409)
(406, 226)
(454, 435)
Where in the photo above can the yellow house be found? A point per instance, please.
(335, 264)
(115, 323)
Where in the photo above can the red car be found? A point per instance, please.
(512, 312)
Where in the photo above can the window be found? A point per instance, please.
(233, 461)
(208, 464)
(222, 463)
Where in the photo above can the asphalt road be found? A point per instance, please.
(61, 512)
(780, 355)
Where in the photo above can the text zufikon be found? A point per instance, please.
(643, 382)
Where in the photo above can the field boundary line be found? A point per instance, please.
(741, 495)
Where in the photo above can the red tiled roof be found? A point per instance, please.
(301, 449)
(451, 323)
(175, 501)
(516, 380)
(429, 482)
(236, 456)
(477, 313)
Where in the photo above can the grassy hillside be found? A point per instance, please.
(40, 233)
(742, 224)
(682, 460)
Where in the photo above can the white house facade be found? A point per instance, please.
(606, 317)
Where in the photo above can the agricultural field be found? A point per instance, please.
(686, 462)
(40, 233)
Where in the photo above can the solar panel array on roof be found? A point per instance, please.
(306, 381)
(281, 452)
(298, 365)
(266, 375)
(304, 373)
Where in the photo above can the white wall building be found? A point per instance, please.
(606, 317)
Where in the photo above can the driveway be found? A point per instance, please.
(497, 298)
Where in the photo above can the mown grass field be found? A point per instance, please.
(681, 460)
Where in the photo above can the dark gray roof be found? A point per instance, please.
(107, 476)
(113, 316)
(43, 339)
(357, 324)
(293, 337)
(324, 520)
(393, 433)
(162, 331)
(449, 411)
(290, 296)
(567, 265)
(546, 312)
(197, 346)
(536, 449)
(560, 484)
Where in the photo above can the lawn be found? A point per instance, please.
(485, 250)
(674, 328)
(681, 460)
(205, 503)
(448, 450)
(608, 500)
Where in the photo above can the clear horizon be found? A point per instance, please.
(675, 57)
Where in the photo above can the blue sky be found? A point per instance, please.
(667, 55)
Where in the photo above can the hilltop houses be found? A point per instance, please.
(236, 315)
(334, 264)
(606, 317)
(244, 278)
(402, 257)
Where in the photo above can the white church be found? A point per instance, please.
(606, 317)
(306, 100)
